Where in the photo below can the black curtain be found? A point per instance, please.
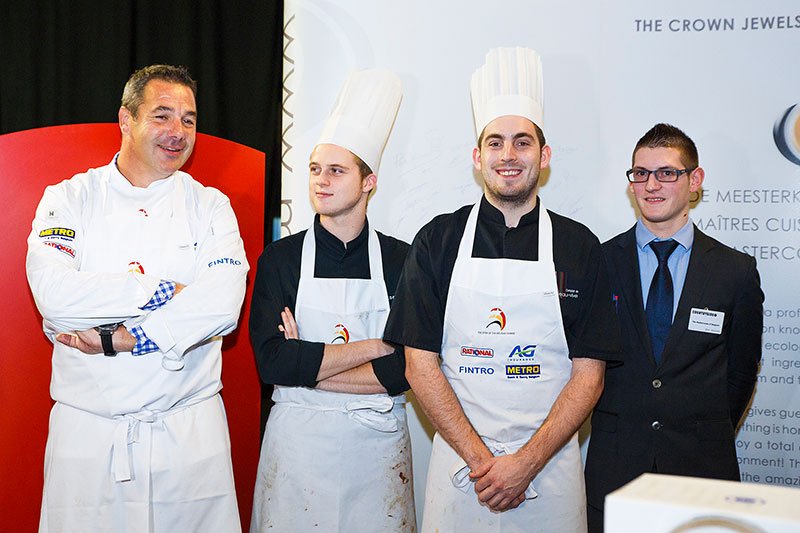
(67, 61)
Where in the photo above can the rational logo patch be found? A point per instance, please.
(63, 248)
(470, 351)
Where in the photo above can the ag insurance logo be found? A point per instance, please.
(787, 134)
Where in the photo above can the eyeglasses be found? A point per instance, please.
(641, 175)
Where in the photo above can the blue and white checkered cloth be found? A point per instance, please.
(163, 294)
(143, 343)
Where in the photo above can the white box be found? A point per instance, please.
(656, 503)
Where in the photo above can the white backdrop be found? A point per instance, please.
(724, 72)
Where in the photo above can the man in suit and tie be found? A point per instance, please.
(690, 311)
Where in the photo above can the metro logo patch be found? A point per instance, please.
(63, 248)
(66, 234)
(523, 371)
(469, 351)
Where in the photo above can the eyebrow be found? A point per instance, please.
(519, 135)
(332, 165)
(169, 109)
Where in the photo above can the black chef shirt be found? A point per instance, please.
(590, 323)
(296, 362)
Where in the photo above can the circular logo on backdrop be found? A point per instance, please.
(787, 134)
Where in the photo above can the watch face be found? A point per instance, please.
(107, 329)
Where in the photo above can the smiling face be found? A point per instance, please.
(510, 159)
(664, 205)
(337, 189)
(159, 139)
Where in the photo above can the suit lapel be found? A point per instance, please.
(626, 262)
(693, 289)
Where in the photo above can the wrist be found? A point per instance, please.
(530, 458)
(107, 332)
(124, 341)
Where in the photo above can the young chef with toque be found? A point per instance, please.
(336, 454)
(505, 313)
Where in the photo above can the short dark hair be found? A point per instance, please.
(539, 135)
(668, 136)
(133, 94)
(363, 168)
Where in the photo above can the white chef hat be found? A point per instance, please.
(509, 83)
(362, 117)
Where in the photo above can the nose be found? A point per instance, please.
(176, 128)
(652, 183)
(320, 179)
(509, 152)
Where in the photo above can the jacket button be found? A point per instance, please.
(656, 383)
(656, 425)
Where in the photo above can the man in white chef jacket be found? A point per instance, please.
(138, 270)
(504, 310)
(336, 454)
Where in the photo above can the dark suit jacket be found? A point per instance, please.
(680, 415)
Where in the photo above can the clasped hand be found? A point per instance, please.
(501, 481)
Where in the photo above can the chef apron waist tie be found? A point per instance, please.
(371, 412)
(374, 413)
(127, 432)
(459, 472)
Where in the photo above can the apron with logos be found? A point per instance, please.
(333, 461)
(116, 462)
(505, 354)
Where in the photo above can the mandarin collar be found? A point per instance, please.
(335, 247)
(491, 214)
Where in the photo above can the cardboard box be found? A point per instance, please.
(656, 503)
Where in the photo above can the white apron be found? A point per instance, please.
(333, 461)
(505, 354)
(111, 463)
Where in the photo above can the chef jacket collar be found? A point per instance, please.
(489, 213)
(333, 247)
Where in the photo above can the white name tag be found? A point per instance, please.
(706, 321)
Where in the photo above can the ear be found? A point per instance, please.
(696, 179)
(476, 158)
(544, 160)
(125, 119)
(369, 183)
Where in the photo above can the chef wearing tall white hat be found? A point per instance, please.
(505, 312)
(336, 454)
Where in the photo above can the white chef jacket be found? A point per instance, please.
(73, 299)
(97, 251)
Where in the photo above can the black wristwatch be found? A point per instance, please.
(106, 330)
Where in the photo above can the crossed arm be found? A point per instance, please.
(88, 341)
(345, 367)
(500, 482)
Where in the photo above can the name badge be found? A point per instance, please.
(706, 321)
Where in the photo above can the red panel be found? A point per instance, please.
(33, 159)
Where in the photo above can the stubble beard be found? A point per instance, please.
(515, 200)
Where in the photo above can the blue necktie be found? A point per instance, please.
(660, 299)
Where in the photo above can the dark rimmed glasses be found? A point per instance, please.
(641, 175)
